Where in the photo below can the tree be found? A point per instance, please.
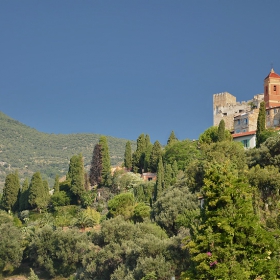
(128, 156)
(221, 131)
(23, 199)
(36, 192)
(260, 124)
(155, 156)
(122, 204)
(147, 153)
(106, 164)
(210, 135)
(138, 156)
(10, 247)
(160, 180)
(172, 138)
(230, 242)
(96, 166)
(32, 276)
(56, 184)
(184, 152)
(76, 175)
(11, 192)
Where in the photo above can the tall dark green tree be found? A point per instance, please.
(96, 166)
(36, 192)
(138, 157)
(76, 175)
(128, 156)
(106, 164)
(23, 199)
(11, 192)
(155, 156)
(221, 131)
(260, 123)
(160, 180)
(56, 184)
(172, 138)
(147, 153)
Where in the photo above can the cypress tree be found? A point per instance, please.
(260, 124)
(106, 164)
(172, 138)
(155, 156)
(221, 131)
(139, 155)
(56, 184)
(128, 156)
(96, 166)
(76, 175)
(167, 175)
(147, 153)
(11, 192)
(160, 180)
(23, 199)
(36, 192)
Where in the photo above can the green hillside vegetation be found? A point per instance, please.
(212, 213)
(29, 150)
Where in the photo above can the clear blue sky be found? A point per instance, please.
(122, 67)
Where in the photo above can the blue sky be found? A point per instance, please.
(122, 67)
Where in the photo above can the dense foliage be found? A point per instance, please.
(212, 213)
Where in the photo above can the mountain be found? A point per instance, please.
(27, 150)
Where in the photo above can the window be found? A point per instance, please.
(245, 143)
(245, 121)
(225, 114)
(274, 88)
(237, 131)
(275, 111)
(238, 121)
(241, 111)
(275, 122)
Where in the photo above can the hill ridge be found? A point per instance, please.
(28, 150)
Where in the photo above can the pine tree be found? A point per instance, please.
(96, 166)
(56, 184)
(260, 124)
(221, 131)
(76, 175)
(128, 156)
(230, 242)
(160, 180)
(155, 156)
(172, 138)
(23, 199)
(106, 164)
(36, 192)
(139, 155)
(11, 192)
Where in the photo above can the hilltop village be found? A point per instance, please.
(241, 117)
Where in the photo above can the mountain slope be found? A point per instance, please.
(28, 150)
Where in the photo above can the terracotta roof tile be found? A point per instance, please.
(235, 135)
(272, 74)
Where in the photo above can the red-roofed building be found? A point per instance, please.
(248, 139)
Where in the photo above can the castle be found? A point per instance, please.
(241, 117)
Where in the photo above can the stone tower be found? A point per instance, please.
(272, 90)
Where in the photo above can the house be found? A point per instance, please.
(248, 139)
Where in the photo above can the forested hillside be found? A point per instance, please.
(29, 150)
